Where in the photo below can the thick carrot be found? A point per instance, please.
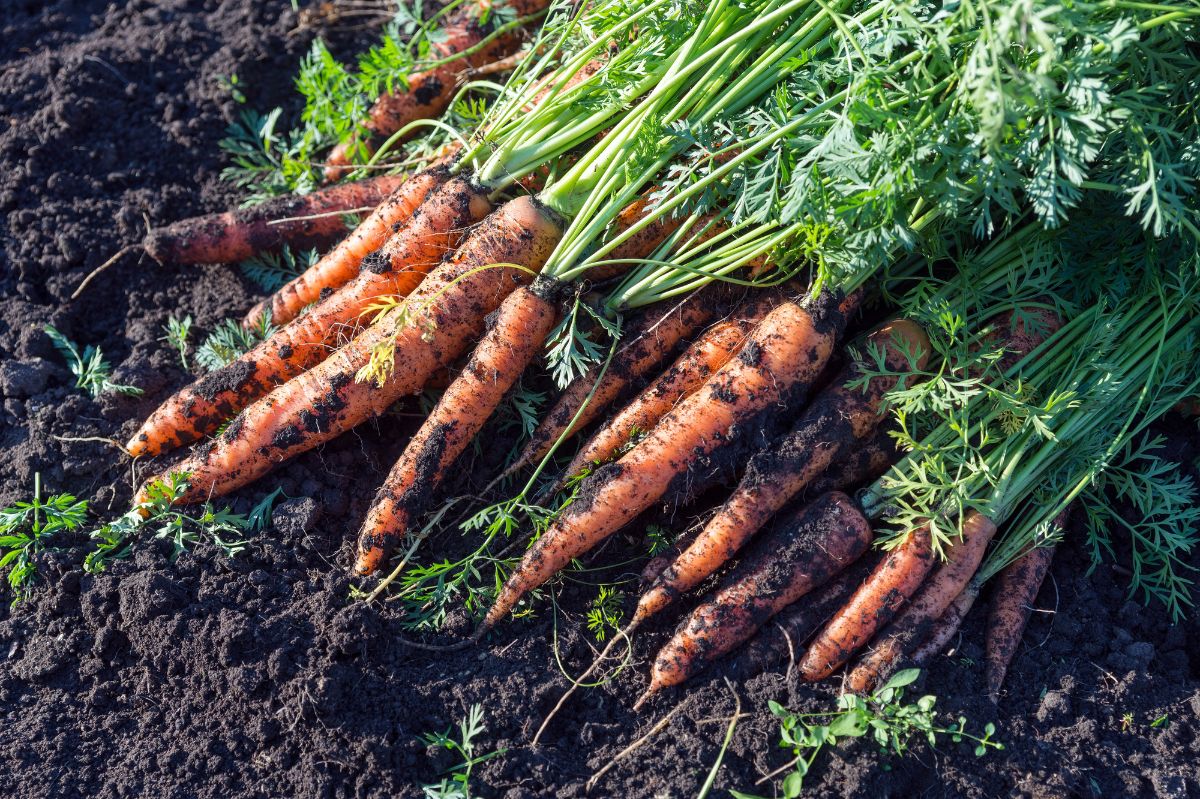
(892, 582)
(798, 622)
(699, 361)
(803, 553)
(310, 220)
(432, 232)
(435, 327)
(651, 338)
(514, 338)
(1012, 602)
(775, 366)
(828, 431)
(866, 463)
(913, 624)
(428, 94)
(946, 626)
(340, 265)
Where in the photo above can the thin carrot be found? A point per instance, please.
(427, 94)
(912, 626)
(651, 338)
(892, 582)
(839, 418)
(804, 552)
(947, 625)
(1012, 602)
(395, 270)
(431, 330)
(515, 336)
(699, 361)
(340, 265)
(775, 366)
(309, 220)
(866, 463)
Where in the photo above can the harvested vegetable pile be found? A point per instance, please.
(722, 347)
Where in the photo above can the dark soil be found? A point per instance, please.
(211, 677)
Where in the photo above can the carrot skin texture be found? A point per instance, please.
(397, 269)
(878, 454)
(232, 236)
(699, 361)
(429, 93)
(828, 431)
(804, 553)
(913, 623)
(783, 355)
(876, 601)
(514, 339)
(1016, 588)
(338, 266)
(443, 317)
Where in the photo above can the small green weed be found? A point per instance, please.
(26, 526)
(456, 782)
(92, 372)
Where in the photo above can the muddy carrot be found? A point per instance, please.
(775, 366)
(337, 267)
(945, 627)
(828, 431)
(894, 580)
(912, 625)
(1012, 602)
(866, 463)
(699, 361)
(309, 220)
(803, 553)
(435, 327)
(395, 270)
(522, 323)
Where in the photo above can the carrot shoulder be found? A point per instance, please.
(892, 582)
(435, 327)
(803, 553)
(778, 362)
(393, 271)
(339, 265)
(309, 220)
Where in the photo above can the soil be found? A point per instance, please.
(210, 677)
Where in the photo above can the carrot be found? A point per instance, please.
(1012, 601)
(426, 95)
(705, 355)
(309, 220)
(892, 582)
(913, 624)
(946, 626)
(828, 431)
(340, 264)
(514, 338)
(651, 337)
(806, 551)
(866, 463)
(431, 330)
(432, 232)
(798, 622)
(778, 362)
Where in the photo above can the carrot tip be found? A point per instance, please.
(644, 698)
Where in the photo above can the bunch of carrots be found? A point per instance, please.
(685, 217)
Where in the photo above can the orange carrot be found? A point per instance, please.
(705, 355)
(868, 462)
(309, 220)
(778, 362)
(828, 431)
(803, 553)
(426, 95)
(649, 340)
(1012, 602)
(913, 624)
(395, 270)
(946, 626)
(892, 582)
(435, 327)
(515, 337)
(340, 265)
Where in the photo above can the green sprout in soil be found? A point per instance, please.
(176, 333)
(888, 720)
(25, 527)
(92, 372)
(270, 271)
(605, 615)
(455, 782)
(229, 341)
